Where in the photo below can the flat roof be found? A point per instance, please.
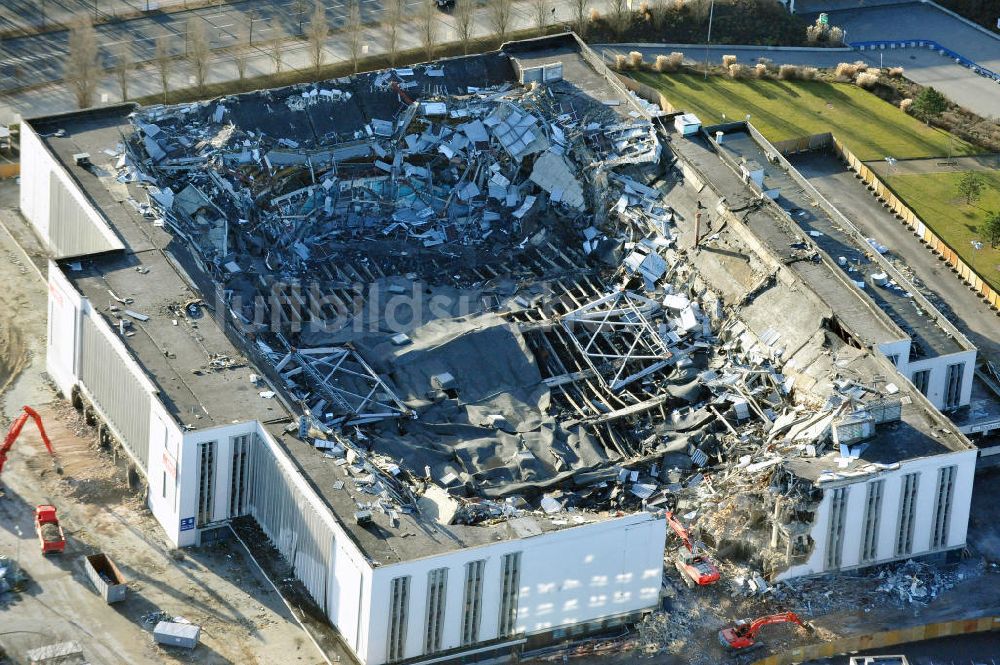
(930, 339)
(202, 379)
(868, 323)
(921, 431)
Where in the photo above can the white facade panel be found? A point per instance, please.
(164, 465)
(54, 205)
(568, 577)
(36, 165)
(63, 331)
(937, 382)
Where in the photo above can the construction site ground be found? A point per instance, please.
(243, 619)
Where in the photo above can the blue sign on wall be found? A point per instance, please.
(187, 524)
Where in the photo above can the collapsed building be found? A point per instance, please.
(449, 321)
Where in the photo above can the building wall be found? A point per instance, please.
(83, 352)
(63, 337)
(165, 450)
(59, 212)
(326, 560)
(937, 384)
(569, 577)
(897, 352)
(927, 468)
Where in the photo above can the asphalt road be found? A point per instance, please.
(979, 323)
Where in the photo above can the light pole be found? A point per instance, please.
(708, 42)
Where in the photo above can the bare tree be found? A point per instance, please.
(124, 60)
(198, 50)
(580, 17)
(241, 54)
(540, 12)
(500, 18)
(620, 16)
(354, 31)
(464, 15)
(83, 68)
(278, 37)
(317, 33)
(428, 27)
(164, 62)
(299, 8)
(392, 20)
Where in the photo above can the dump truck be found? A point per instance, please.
(107, 579)
(50, 532)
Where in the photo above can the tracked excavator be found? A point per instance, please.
(741, 636)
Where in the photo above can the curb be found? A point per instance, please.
(735, 47)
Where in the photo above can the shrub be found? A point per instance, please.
(620, 62)
(861, 65)
(836, 35)
(738, 71)
(896, 72)
(595, 16)
(867, 80)
(809, 73)
(846, 71)
(788, 72)
(728, 61)
(905, 104)
(813, 33)
(760, 70)
(635, 60)
(669, 63)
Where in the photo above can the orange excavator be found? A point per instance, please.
(741, 636)
(691, 561)
(15, 431)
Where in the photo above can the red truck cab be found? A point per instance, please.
(50, 533)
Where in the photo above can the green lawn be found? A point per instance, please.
(935, 199)
(871, 128)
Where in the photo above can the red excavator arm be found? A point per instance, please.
(15, 431)
(680, 530)
(742, 635)
(784, 617)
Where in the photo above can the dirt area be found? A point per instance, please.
(243, 619)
